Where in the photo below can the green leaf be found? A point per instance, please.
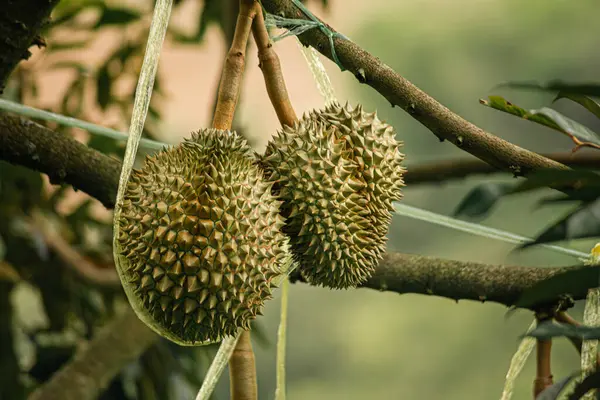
(591, 105)
(117, 16)
(67, 45)
(584, 222)
(573, 282)
(552, 392)
(547, 117)
(103, 87)
(586, 89)
(480, 201)
(548, 330)
(569, 126)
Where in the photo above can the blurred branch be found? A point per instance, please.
(437, 172)
(445, 124)
(397, 272)
(83, 267)
(119, 342)
(20, 24)
(62, 158)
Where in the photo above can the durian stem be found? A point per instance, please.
(543, 378)
(271, 68)
(242, 370)
(233, 69)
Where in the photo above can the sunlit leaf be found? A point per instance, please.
(480, 201)
(573, 282)
(547, 117)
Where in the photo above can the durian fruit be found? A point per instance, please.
(199, 241)
(337, 171)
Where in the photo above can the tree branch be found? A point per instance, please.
(121, 341)
(62, 158)
(97, 175)
(445, 124)
(437, 172)
(20, 24)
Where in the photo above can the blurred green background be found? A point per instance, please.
(362, 344)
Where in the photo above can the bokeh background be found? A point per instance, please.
(362, 344)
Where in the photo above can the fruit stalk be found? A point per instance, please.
(271, 68)
(231, 78)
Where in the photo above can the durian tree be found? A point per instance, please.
(208, 228)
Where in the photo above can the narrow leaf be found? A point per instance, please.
(117, 16)
(548, 330)
(591, 105)
(581, 135)
(103, 86)
(587, 89)
(480, 201)
(584, 222)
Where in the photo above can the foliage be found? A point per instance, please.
(579, 186)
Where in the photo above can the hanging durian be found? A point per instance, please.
(337, 171)
(200, 239)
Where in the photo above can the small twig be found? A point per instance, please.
(82, 266)
(543, 377)
(272, 73)
(233, 69)
(95, 364)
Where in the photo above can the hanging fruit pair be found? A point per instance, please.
(201, 235)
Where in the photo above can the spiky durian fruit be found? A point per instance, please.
(199, 239)
(337, 171)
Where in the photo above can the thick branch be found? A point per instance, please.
(441, 171)
(121, 341)
(62, 158)
(445, 124)
(458, 280)
(401, 273)
(20, 24)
